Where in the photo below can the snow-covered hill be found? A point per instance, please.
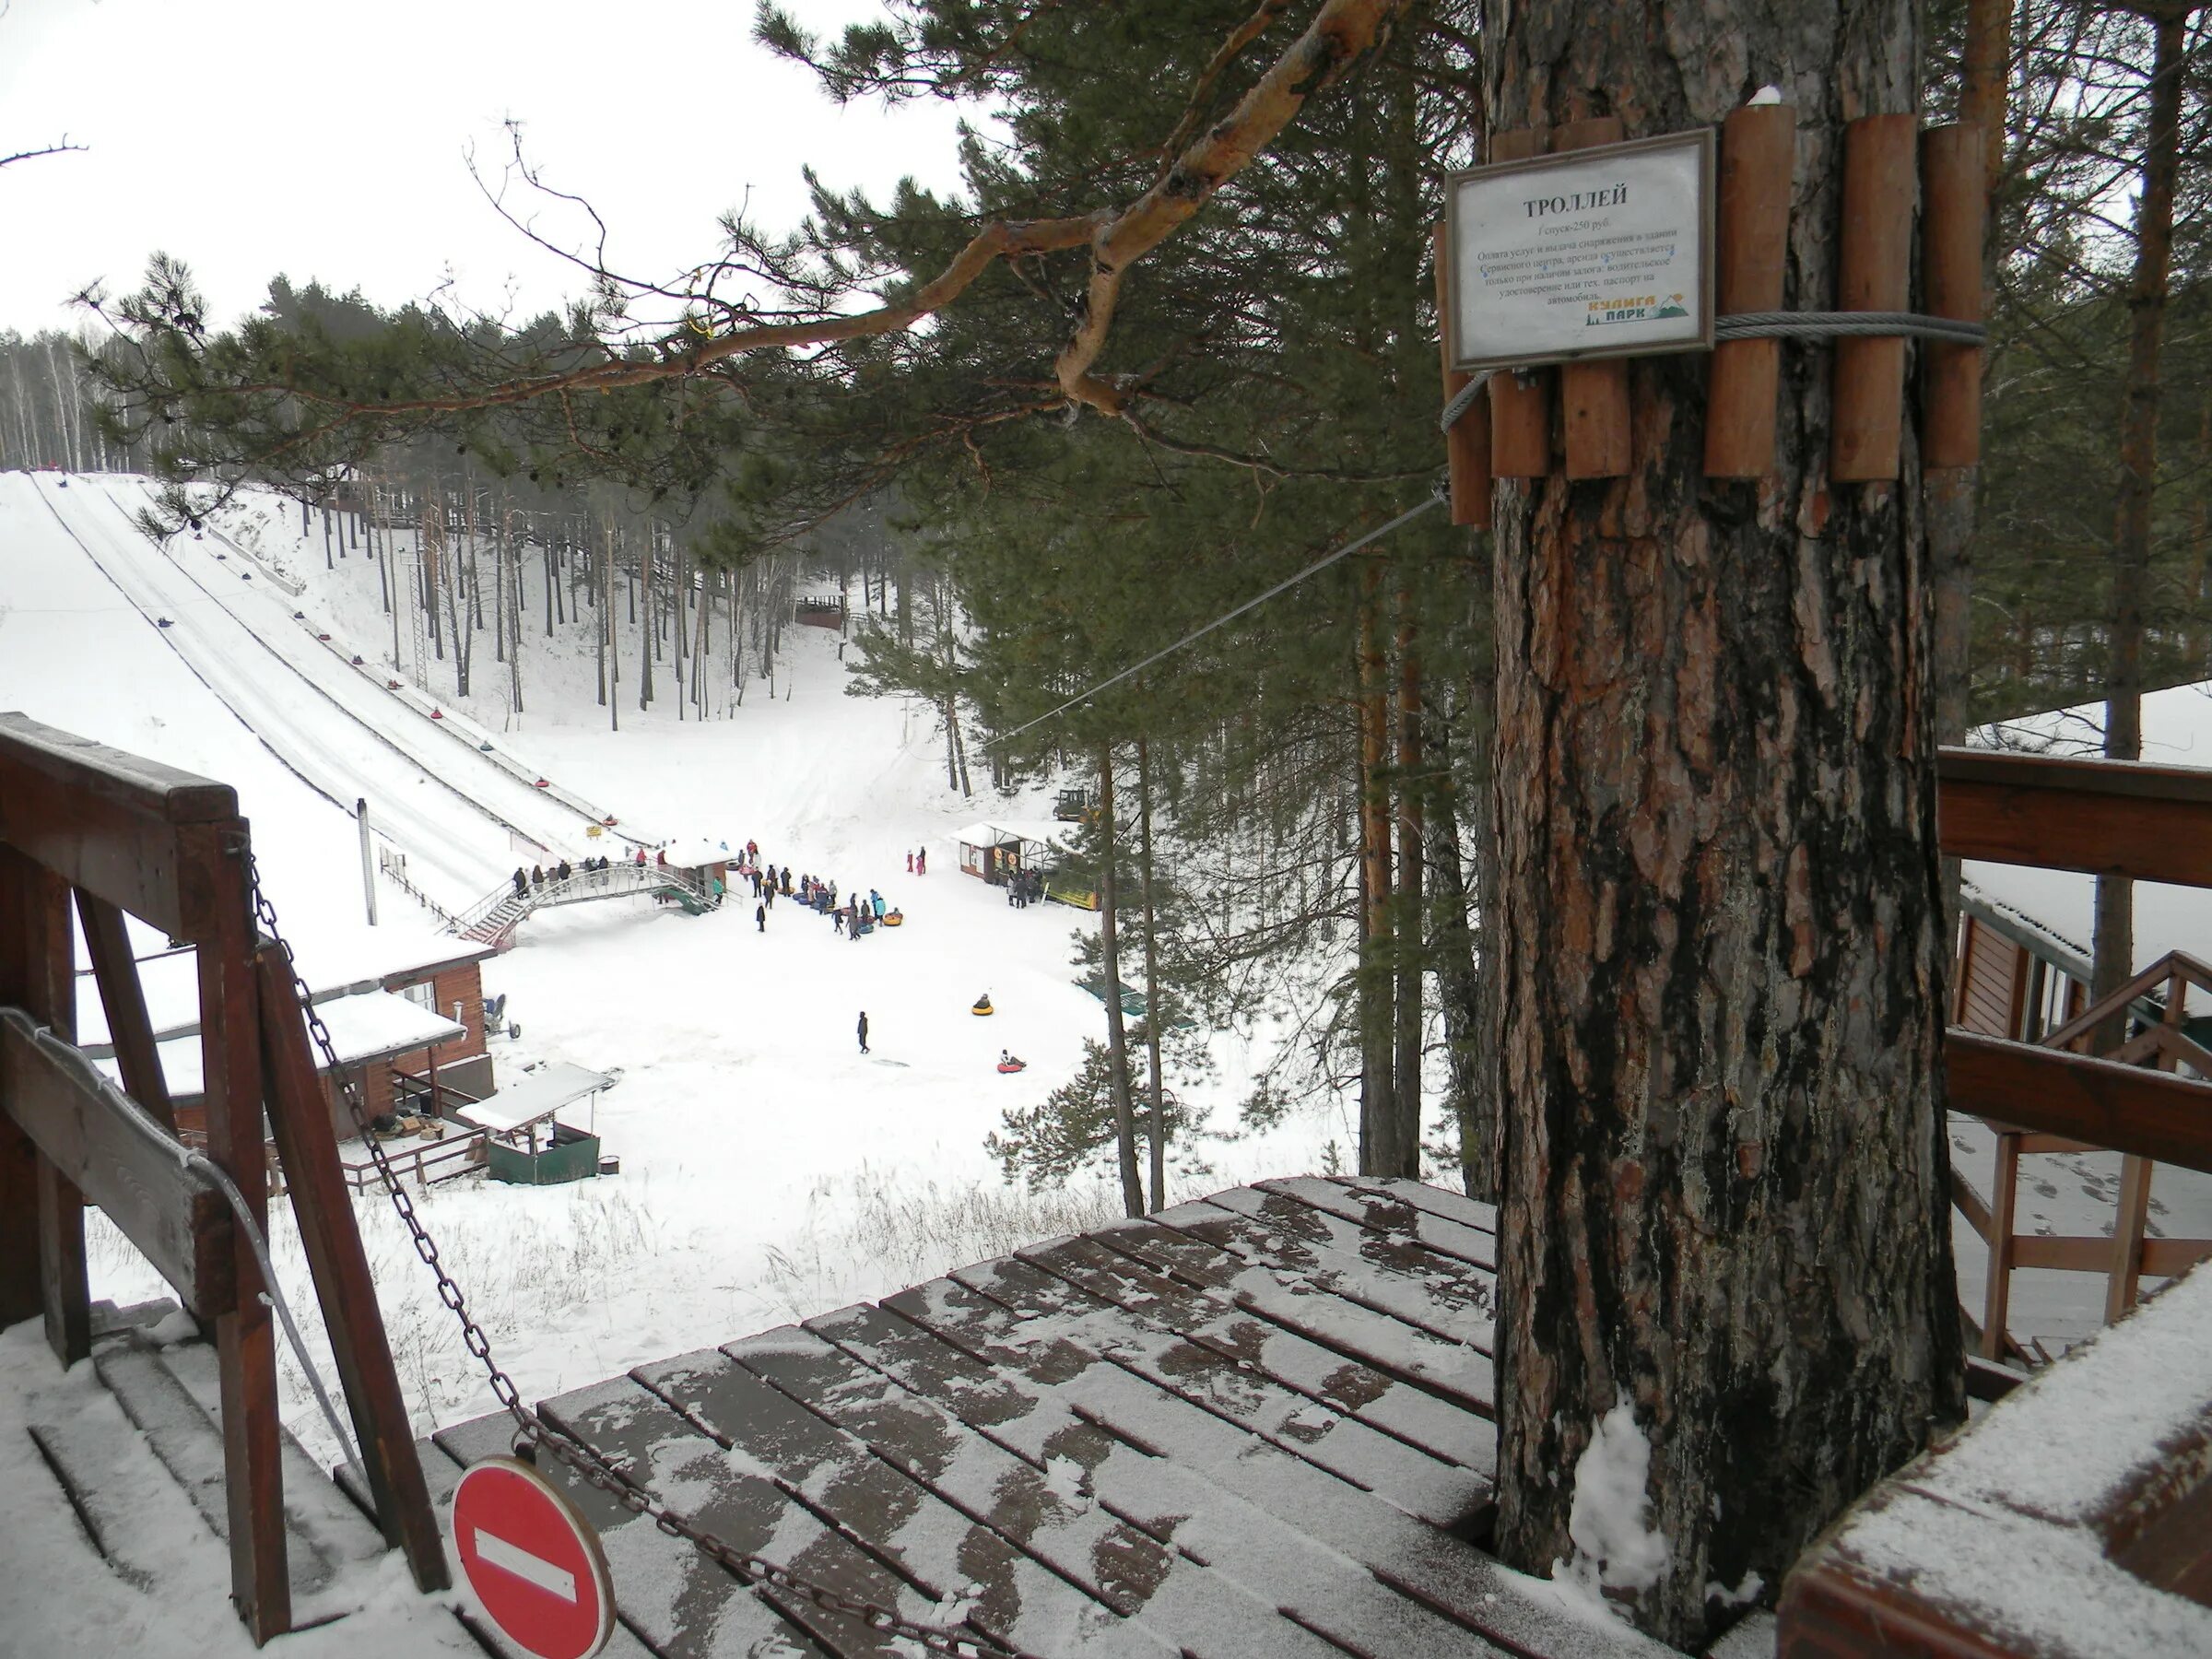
(768, 1168)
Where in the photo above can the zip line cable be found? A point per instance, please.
(1437, 496)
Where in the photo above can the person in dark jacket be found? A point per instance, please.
(537, 876)
(864, 1030)
(522, 885)
(560, 872)
(760, 917)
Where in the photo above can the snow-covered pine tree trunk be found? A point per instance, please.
(1726, 1210)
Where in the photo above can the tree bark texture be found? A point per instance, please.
(2114, 943)
(1109, 965)
(1722, 959)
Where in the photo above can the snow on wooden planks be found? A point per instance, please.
(1257, 1425)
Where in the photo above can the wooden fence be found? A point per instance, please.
(108, 834)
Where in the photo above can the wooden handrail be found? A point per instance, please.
(2108, 818)
(2173, 965)
(129, 831)
(2125, 1108)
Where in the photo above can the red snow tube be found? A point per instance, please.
(437, 713)
(1012, 1066)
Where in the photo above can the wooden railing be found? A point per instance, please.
(2127, 1254)
(108, 834)
(2097, 1482)
(2153, 823)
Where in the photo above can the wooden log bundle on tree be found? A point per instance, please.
(1725, 1224)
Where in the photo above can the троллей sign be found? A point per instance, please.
(1597, 253)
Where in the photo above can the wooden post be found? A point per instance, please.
(1953, 208)
(2132, 1217)
(21, 1249)
(1873, 273)
(1758, 156)
(124, 998)
(300, 1119)
(244, 1341)
(1594, 397)
(1520, 401)
(1468, 443)
(39, 978)
(1996, 1295)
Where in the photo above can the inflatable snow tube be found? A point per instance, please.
(893, 919)
(1012, 1066)
(981, 1009)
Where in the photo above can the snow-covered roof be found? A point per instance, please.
(1002, 832)
(371, 1025)
(539, 1094)
(694, 852)
(169, 980)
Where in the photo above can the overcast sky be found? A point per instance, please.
(324, 140)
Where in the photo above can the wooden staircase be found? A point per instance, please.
(134, 1492)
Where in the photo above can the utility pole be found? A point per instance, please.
(361, 815)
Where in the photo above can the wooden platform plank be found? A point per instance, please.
(769, 1434)
(1437, 1201)
(639, 1433)
(1279, 1576)
(1389, 1345)
(314, 1508)
(1444, 1493)
(1049, 1509)
(655, 1577)
(1386, 1212)
(1422, 1560)
(1229, 1496)
(1444, 1430)
(1391, 1273)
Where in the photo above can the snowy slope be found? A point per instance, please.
(75, 652)
(769, 1169)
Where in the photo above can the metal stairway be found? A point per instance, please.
(493, 918)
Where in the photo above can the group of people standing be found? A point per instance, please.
(539, 876)
(853, 917)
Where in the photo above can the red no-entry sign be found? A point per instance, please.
(535, 1563)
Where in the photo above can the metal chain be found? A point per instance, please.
(589, 1464)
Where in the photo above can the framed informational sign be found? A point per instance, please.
(1597, 253)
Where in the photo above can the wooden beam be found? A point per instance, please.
(2107, 817)
(1594, 397)
(1873, 266)
(39, 976)
(54, 1095)
(244, 1341)
(1956, 203)
(124, 998)
(1520, 400)
(2125, 1108)
(300, 1119)
(1758, 157)
(105, 821)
